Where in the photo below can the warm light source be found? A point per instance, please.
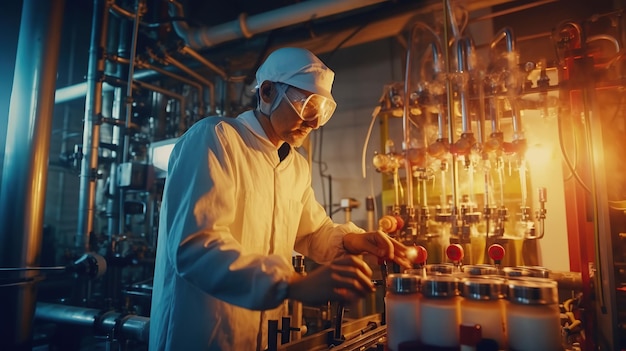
(539, 156)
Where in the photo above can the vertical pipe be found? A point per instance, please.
(464, 52)
(462, 56)
(507, 34)
(406, 123)
(369, 206)
(66, 124)
(114, 202)
(91, 127)
(25, 167)
(115, 43)
(139, 4)
(450, 100)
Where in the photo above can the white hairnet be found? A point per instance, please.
(299, 68)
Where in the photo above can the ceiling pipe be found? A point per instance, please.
(246, 27)
(243, 28)
(191, 52)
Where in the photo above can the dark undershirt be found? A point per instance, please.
(283, 151)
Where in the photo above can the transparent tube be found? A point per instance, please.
(522, 179)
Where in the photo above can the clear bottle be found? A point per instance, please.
(532, 315)
(439, 317)
(402, 308)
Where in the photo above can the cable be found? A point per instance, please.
(345, 40)
(568, 162)
(367, 138)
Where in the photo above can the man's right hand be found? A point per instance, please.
(346, 279)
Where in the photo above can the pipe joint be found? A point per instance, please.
(243, 25)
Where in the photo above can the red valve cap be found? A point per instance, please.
(422, 254)
(455, 252)
(496, 252)
(400, 222)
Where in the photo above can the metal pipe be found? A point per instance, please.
(246, 27)
(139, 11)
(191, 52)
(183, 114)
(369, 206)
(143, 64)
(195, 75)
(512, 61)
(607, 37)
(119, 325)
(265, 22)
(91, 127)
(406, 123)
(514, 9)
(25, 168)
(464, 50)
(198, 87)
(115, 8)
(115, 225)
(436, 52)
(79, 90)
(504, 33)
(449, 100)
(60, 201)
(160, 90)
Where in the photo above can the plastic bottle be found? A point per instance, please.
(439, 317)
(533, 316)
(483, 305)
(402, 308)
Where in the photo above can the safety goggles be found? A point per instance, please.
(311, 107)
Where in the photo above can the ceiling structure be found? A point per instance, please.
(233, 37)
(236, 33)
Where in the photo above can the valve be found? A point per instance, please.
(496, 253)
(455, 254)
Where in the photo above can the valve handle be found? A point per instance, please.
(422, 255)
(388, 223)
(399, 222)
(455, 252)
(496, 252)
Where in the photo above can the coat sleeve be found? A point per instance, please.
(319, 238)
(198, 208)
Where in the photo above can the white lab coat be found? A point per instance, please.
(230, 217)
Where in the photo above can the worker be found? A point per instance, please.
(237, 202)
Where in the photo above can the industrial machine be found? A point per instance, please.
(497, 152)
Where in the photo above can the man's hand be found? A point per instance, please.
(346, 279)
(381, 245)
